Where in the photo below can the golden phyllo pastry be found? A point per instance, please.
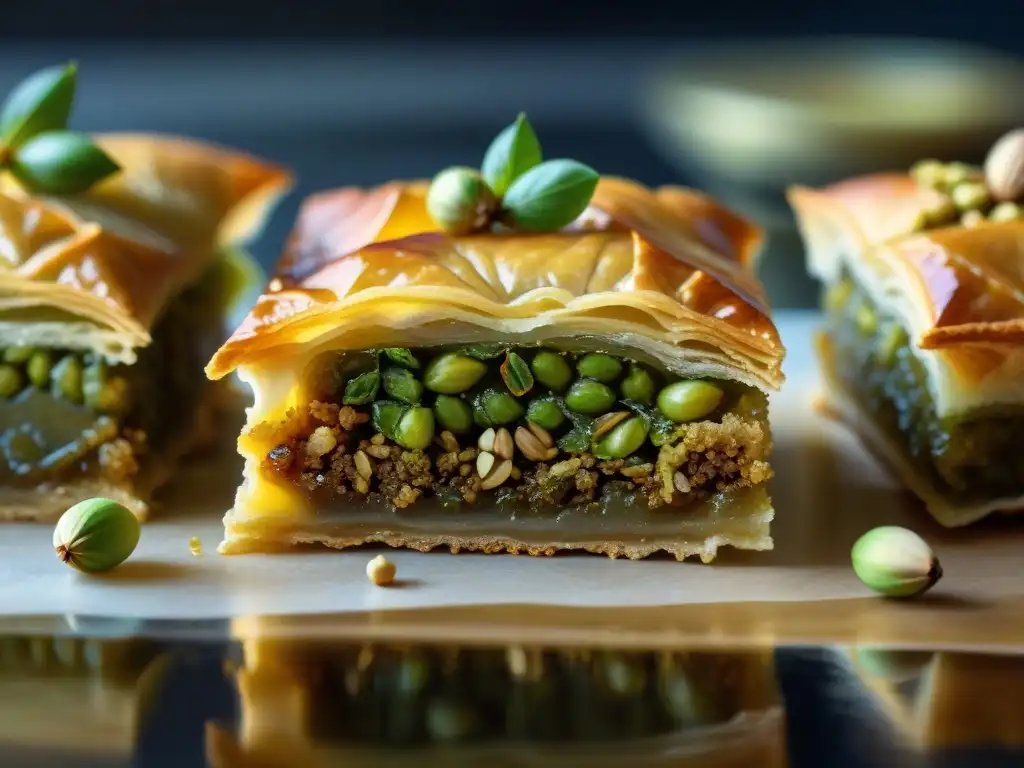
(601, 387)
(111, 300)
(923, 347)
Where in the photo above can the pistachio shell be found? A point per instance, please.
(96, 535)
(459, 201)
(895, 562)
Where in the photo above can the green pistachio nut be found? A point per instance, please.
(513, 152)
(837, 294)
(970, 196)
(929, 173)
(891, 341)
(545, 412)
(494, 408)
(1007, 212)
(551, 370)
(61, 163)
(40, 103)
(453, 414)
(589, 397)
(516, 374)
(624, 439)
(361, 389)
(549, 196)
(895, 562)
(38, 367)
(11, 381)
(18, 355)
(689, 400)
(402, 357)
(460, 202)
(386, 414)
(415, 429)
(638, 386)
(958, 173)
(400, 384)
(866, 319)
(453, 374)
(599, 367)
(96, 535)
(105, 393)
(66, 379)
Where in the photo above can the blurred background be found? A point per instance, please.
(737, 99)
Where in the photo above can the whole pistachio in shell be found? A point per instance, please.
(460, 202)
(1004, 167)
(96, 535)
(895, 562)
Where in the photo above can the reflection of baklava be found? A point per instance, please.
(315, 705)
(74, 698)
(923, 350)
(600, 388)
(110, 303)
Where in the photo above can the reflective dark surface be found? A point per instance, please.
(195, 699)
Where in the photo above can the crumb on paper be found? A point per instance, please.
(381, 571)
(195, 546)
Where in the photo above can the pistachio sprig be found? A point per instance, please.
(515, 187)
(35, 144)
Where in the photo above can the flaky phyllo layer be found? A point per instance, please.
(110, 303)
(659, 281)
(924, 342)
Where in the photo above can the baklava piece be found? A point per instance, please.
(601, 387)
(110, 304)
(923, 345)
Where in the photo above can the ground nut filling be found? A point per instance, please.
(604, 445)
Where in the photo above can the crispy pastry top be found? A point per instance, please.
(365, 268)
(958, 290)
(97, 269)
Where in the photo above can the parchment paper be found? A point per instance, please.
(827, 492)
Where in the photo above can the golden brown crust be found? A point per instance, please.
(671, 262)
(967, 284)
(109, 260)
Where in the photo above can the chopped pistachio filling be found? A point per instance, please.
(548, 428)
(970, 457)
(425, 696)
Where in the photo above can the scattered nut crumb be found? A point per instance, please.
(195, 546)
(381, 571)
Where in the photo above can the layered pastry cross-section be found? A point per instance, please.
(602, 387)
(923, 344)
(111, 302)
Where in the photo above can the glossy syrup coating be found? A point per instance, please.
(671, 260)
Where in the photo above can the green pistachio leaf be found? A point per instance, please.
(40, 103)
(61, 163)
(513, 152)
(549, 196)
